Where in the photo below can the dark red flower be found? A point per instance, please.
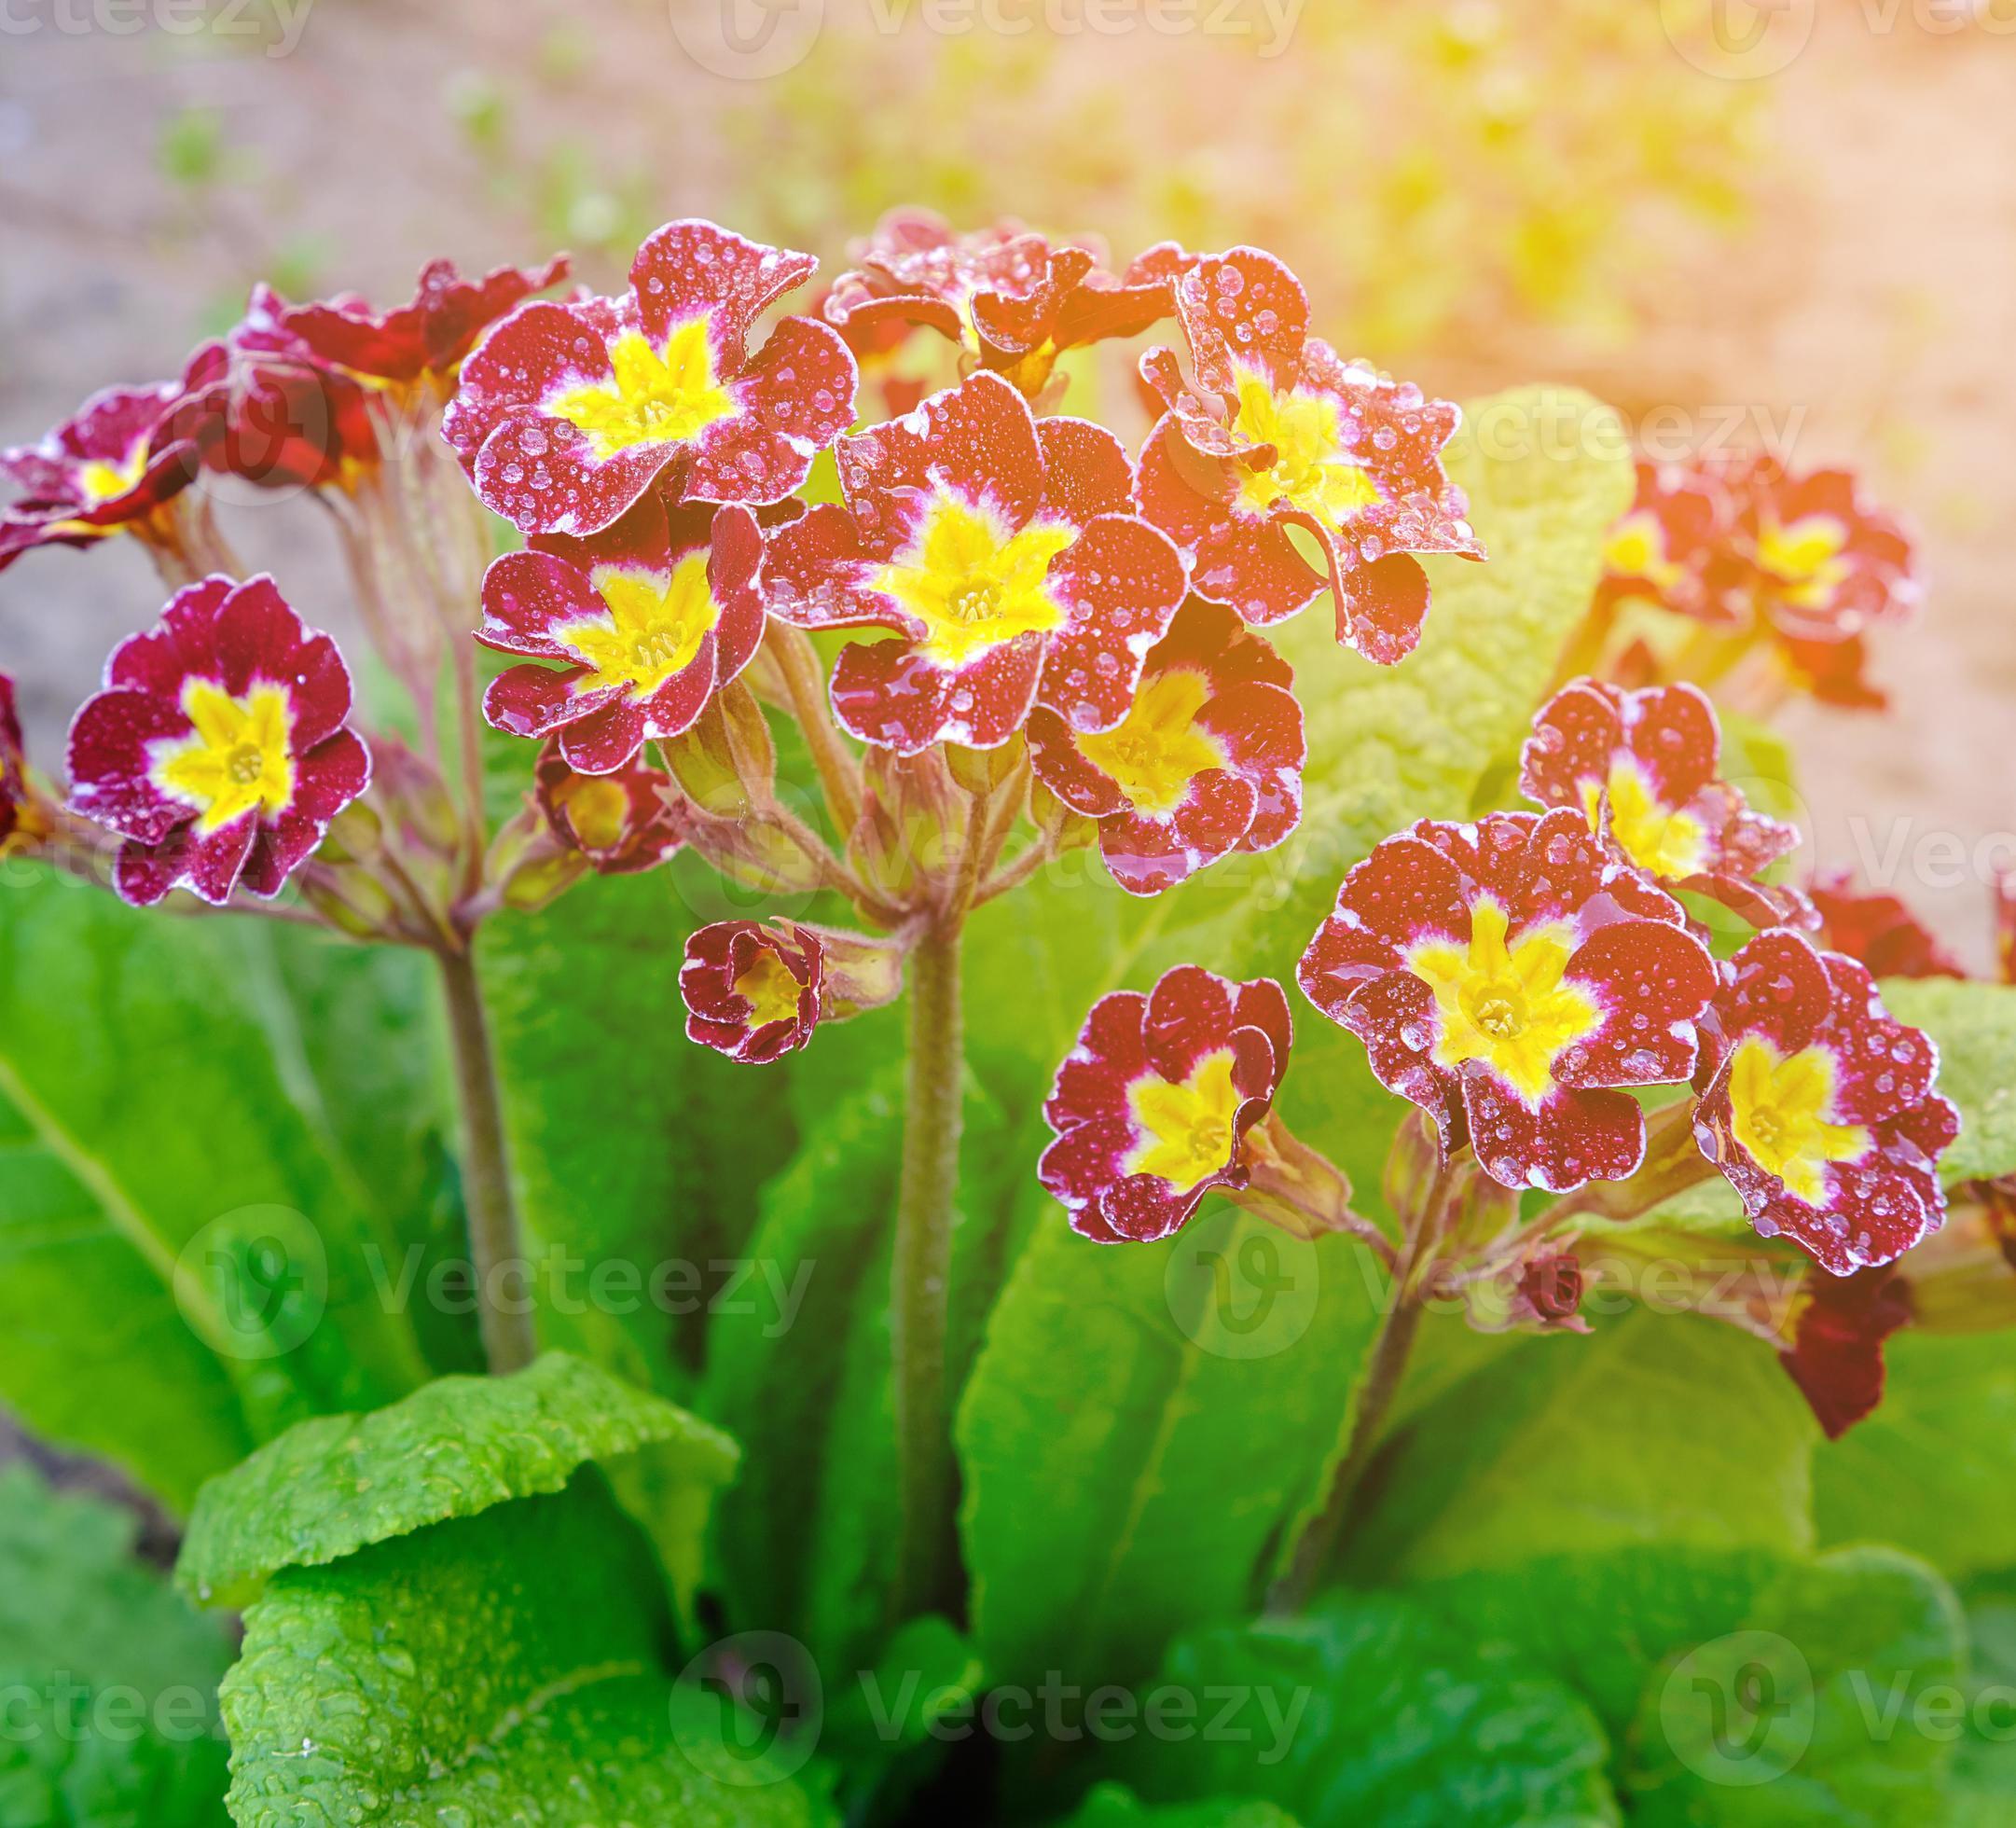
(567, 413)
(1152, 1108)
(260, 407)
(1548, 1290)
(621, 823)
(1514, 979)
(753, 993)
(219, 749)
(1279, 434)
(1836, 1354)
(113, 467)
(1819, 1108)
(1001, 548)
(1878, 929)
(1643, 768)
(1207, 761)
(1005, 294)
(1827, 563)
(430, 335)
(1671, 548)
(652, 616)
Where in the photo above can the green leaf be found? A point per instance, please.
(1114, 1806)
(1807, 1710)
(1142, 1423)
(1369, 1709)
(1929, 1469)
(1985, 1759)
(502, 1668)
(456, 1447)
(193, 1242)
(1655, 1428)
(1975, 1027)
(630, 1145)
(111, 1681)
(799, 1371)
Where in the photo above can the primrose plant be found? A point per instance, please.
(994, 634)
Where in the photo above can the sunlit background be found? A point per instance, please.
(1796, 226)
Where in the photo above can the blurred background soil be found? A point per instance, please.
(1479, 193)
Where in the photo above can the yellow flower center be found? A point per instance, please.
(1670, 844)
(1509, 1006)
(770, 991)
(102, 481)
(1805, 557)
(1312, 471)
(1186, 1129)
(971, 582)
(1780, 1104)
(597, 807)
(236, 760)
(1637, 547)
(1154, 753)
(654, 627)
(654, 396)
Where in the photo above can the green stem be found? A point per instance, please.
(509, 1342)
(1384, 1373)
(923, 1267)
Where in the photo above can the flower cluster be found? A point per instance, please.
(1757, 556)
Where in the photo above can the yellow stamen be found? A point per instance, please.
(1159, 748)
(238, 759)
(973, 583)
(1186, 1129)
(1780, 1104)
(1509, 1006)
(1312, 471)
(654, 397)
(1637, 547)
(653, 629)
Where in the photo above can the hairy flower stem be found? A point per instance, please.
(510, 1343)
(922, 1275)
(1384, 1372)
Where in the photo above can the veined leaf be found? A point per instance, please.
(1114, 1806)
(1655, 1428)
(194, 1234)
(505, 1666)
(1369, 1709)
(111, 1679)
(330, 1486)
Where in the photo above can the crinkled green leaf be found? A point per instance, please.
(1975, 1027)
(1807, 1711)
(110, 1680)
(1114, 1806)
(1369, 1709)
(1142, 1424)
(1930, 1469)
(1655, 1428)
(193, 1228)
(501, 1668)
(454, 1448)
